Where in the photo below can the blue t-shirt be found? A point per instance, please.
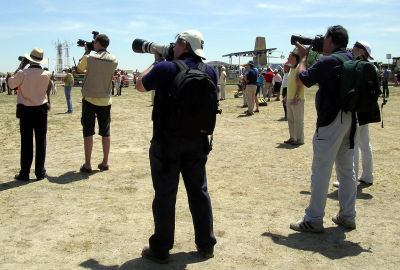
(326, 73)
(251, 75)
(385, 76)
(160, 79)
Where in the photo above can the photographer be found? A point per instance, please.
(331, 142)
(171, 155)
(362, 51)
(96, 98)
(32, 107)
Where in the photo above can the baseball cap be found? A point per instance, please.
(196, 41)
(251, 63)
(365, 46)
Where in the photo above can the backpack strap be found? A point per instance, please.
(339, 57)
(181, 64)
(202, 66)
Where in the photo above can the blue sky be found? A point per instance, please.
(227, 26)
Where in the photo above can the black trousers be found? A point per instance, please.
(385, 89)
(33, 119)
(167, 160)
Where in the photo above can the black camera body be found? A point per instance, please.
(81, 42)
(144, 46)
(317, 44)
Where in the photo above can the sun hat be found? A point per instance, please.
(36, 56)
(196, 41)
(365, 46)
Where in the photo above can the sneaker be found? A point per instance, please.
(41, 177)
(307, 226)
(336, 184)
(290, 140)
(149, 254)
(346, 223)
(205, 254)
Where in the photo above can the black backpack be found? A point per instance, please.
(359, 87)
(192, 104)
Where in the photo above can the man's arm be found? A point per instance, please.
(139, 83)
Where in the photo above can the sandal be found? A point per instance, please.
(83, 169)
(102, 167)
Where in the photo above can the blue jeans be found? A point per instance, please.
(168, 160)
(67, 90)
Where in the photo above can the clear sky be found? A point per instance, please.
(227, 26)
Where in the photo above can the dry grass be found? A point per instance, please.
(257, 186)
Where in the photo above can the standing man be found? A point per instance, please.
(294, 101)
(331, 142)
(32, 107)
(222, 82)
(250, 77)
(171, 155)
(385, 82)
(96, 98)
(68, 83)
(362, 50)
(268, 76)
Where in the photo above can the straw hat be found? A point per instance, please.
(36, 56)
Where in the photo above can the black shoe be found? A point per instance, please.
(38, 178)
(20, 177)
(204, 253)
(149, 254)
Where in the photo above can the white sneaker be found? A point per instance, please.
(346, 223)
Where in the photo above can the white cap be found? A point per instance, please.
(366, 47)
(196, 41)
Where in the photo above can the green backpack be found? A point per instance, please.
(359, 86)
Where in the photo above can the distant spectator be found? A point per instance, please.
(68, 83)
(284, 88)
(385, 82)
(268, 76)
(277, 82)
(222, 82)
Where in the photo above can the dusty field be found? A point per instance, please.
(257, 186)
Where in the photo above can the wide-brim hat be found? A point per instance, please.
(196, 41)
(36, 56)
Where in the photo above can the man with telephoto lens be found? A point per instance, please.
(332, 139)
(96, 98)
(171, 155)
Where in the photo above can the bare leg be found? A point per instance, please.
(106, 141)
(88, 144)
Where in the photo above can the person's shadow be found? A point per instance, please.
(13, 184)
(331, 244)
(178, 261)
(70, 177)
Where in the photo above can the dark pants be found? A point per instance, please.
(167, 161)
(385, 89)
(33, 119)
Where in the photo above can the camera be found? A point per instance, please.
(317, 43)
(144, 46)
(81, 42)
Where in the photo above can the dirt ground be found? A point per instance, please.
(257, 185)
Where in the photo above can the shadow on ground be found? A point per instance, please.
(70, 177)
(178, 261)
(331, 244)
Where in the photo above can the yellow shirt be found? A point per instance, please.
(292, 86)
